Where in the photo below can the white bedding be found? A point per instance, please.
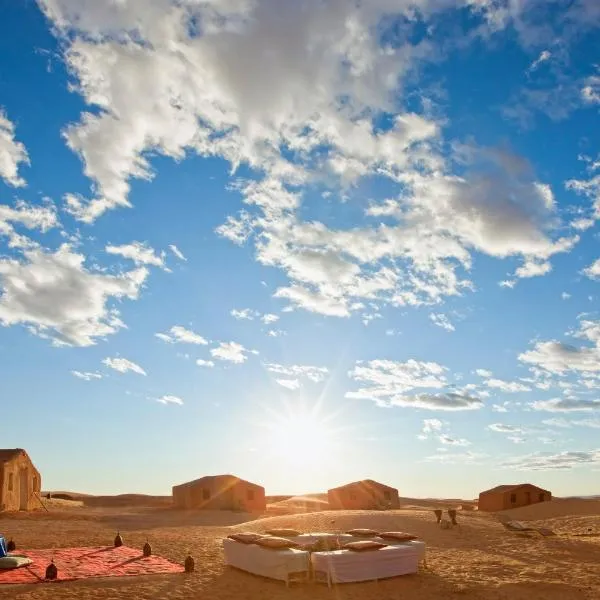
(285, 565)
(345, 566)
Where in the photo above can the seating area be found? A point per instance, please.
(352, 556)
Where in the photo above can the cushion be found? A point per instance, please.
(398, 535)
(13, 562)
(322, 545)
(283, 532)
(363, 532)
(363, 546)
(246, 537)
(276, 543)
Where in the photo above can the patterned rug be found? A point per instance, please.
(81, 563)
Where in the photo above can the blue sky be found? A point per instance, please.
(304, 243)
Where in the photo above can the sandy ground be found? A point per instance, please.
(478, 560)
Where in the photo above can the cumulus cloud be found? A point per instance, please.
(122, 365)
(442, 321)
(230, 352)
(593, 271)
(12, 153)
(86, 376)
(30, 216)
(483, 372)
(511, 387)
(290, 384)
(57, 297)
(431, 425)
(502, 428)
(245, 313)
(205, 363)
(468, 457)
(567, 405)
(247, 90)
(179, 334)
(139, 252)
(169, 399)
(549, 462)
(269, 318)
(387, 383)
(310, 372)
(559, 358)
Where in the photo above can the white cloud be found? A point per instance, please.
(231, 352)
(483, 372)
(122, 365)
(567, 405)
(511, 387)
(168, 399)
(543, 57)
(502, 428)
(29, 216)
(565, 296)
(560, 358)
(245, 313)
(290, 384)
(177, 252)
(456, 458)
(314, 374)
(59, 298)
(247, 90)
(593, 271)
(388, 381)
(449, 441)
(139, 252)
(269, 318)
(205, 363)
(442, 321)
(431, 425)
(86, 376)
(179, 334)
(12, 153)
(548, 462)
(501, 408)
(533, 268)
(508, 283)
(276, 332)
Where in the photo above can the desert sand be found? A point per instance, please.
(478, 560)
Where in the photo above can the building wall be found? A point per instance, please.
(357, 496)
(491, 502)
(220, 494)
(11, 481)
(522, 496)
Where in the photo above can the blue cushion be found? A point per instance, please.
(3, 551)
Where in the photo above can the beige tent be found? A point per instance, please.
(366, 494)
(503, 497)
(220, 492)
(20, 481)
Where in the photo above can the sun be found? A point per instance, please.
(300, 439)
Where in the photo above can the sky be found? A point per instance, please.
(303, 242)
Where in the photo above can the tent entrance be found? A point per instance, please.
(23, 489)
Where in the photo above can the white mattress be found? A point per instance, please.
(275, 564)
(345, 566)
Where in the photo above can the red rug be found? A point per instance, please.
(80, 563)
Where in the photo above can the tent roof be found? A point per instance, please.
(501, 489)
(364, 483)
(209, 479)
(7, 454)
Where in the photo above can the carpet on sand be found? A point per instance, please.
(80, 563)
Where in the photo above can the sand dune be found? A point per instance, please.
(556, 508)
(480, 560)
